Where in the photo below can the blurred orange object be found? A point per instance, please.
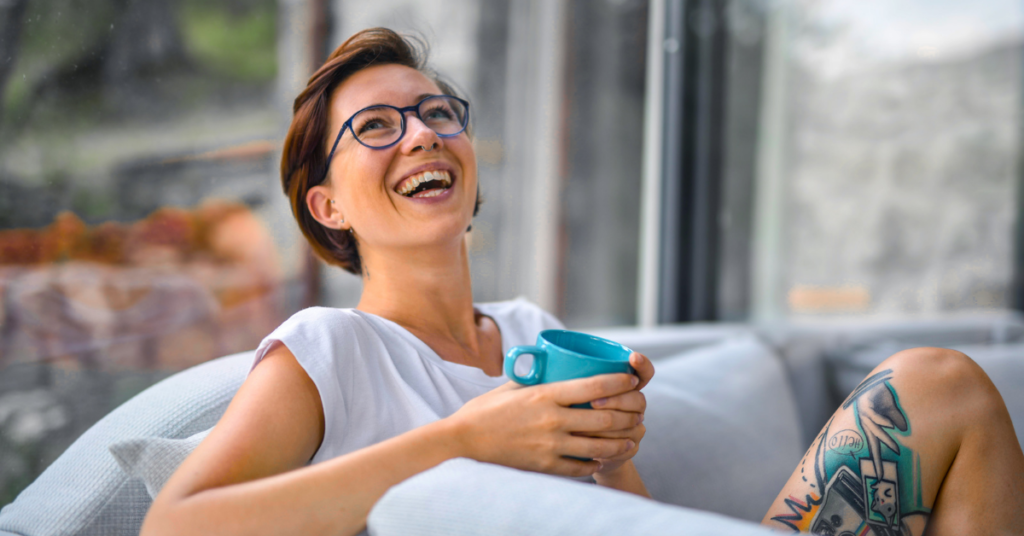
(174, 289)
(814, 299)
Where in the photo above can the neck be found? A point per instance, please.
(427, 291)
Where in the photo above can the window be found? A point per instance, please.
(890, 148)
(827, 158)
(141, 221)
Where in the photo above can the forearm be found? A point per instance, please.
(624, 478)
(332, 497)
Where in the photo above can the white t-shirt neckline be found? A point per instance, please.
(466, 372)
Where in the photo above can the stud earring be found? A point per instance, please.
(332, 201)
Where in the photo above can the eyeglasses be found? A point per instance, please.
(380, 126)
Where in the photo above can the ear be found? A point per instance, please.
(318, 201)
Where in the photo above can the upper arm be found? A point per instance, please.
(275, 423)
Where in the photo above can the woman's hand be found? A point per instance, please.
(534, 428)
(632, 401)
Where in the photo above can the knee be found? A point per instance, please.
(948, 374)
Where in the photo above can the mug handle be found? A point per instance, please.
(536, 370)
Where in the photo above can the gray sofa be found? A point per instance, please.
(730, 411)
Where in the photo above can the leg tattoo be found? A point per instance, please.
(865, 482)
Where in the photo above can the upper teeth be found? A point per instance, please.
(410, 184)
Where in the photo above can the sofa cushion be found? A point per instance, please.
(154, 459)
(670, 340)
(84, 492)
(723, 433)
(464, 497)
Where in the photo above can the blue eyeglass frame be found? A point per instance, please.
(401, 113)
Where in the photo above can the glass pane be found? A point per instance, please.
(890, 142)
(139, 206)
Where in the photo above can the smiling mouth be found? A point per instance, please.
(426, 184)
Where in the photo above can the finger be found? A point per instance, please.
(569, 392)
(571, 467)
(634, 401)
(591, 420)
(635, 433)
(643, 367)
(589, 447)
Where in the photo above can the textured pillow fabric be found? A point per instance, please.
(466, 498)
(85, 493)
(723, 433)
(154, 459)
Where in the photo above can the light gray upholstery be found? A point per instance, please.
(154, 459)
(723, 434)
(667, 341)
(85, 493)
(467, 498)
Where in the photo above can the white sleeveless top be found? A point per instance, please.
(377, 380)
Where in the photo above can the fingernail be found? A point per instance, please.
(600, 466)
(639, 358)
(641, 418)
(599, 402)
(634, 380)
(630, 444)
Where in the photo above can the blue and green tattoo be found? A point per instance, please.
(864, 481)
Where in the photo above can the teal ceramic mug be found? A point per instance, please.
(566, 355)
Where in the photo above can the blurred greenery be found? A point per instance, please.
(238, 45)
(57, 35)
(94, 204)
(78, 59)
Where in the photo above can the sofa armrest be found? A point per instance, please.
(464, 497)
(85, 493)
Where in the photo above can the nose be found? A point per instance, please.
(418, 134)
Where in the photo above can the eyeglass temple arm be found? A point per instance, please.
(333, 147)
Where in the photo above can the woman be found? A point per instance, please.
(381, 174)
(382, 178)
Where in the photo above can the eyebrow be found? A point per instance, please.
(419, 97)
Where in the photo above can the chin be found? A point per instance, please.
(439, 233)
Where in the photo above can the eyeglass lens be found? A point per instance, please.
(381, 126)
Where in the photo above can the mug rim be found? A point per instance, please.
(628, 350)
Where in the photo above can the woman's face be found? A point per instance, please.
(365, 183)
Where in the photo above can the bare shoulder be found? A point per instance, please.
(274, 424)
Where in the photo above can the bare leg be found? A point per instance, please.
(923, 444)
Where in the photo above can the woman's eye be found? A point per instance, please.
(439, 112)
(371, 124)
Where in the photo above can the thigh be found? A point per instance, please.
(923, 442)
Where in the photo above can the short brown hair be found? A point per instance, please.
(304, 162)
